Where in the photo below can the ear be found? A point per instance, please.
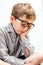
(12, 19)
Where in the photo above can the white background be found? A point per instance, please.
(36, 34)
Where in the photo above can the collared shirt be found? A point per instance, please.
(12, 47)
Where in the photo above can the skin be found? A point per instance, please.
(34, 59)
(4, 63)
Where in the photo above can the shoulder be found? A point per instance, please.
(6, 29)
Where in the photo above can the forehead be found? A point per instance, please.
(27, 19)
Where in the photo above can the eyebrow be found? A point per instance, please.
(21, 20)
(24, 21)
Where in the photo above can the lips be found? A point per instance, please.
(24, 30)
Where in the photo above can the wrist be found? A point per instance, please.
(41, 58)
(22, 38)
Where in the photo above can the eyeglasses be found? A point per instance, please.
(25, 23)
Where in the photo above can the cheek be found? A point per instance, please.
(18, 25)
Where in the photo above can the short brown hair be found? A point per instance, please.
(23, 8)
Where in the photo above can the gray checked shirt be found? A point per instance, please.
(11, 46)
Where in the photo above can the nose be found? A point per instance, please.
(24, 29)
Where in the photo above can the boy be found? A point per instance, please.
(14, 46)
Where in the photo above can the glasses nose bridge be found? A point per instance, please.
(26, 24)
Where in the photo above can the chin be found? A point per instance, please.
(19, 33)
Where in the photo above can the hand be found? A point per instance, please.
(34, 59)
(22, 35)
(30, 64)
(4, 63)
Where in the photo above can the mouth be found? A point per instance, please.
(23, 31)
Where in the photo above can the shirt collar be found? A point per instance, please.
(10, 29)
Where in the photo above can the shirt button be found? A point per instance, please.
(22, 53)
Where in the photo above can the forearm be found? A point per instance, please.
(3, 63)
(40, 58)
(34, 59)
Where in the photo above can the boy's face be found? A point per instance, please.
(21, 24)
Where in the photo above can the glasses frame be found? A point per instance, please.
(26, 22)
